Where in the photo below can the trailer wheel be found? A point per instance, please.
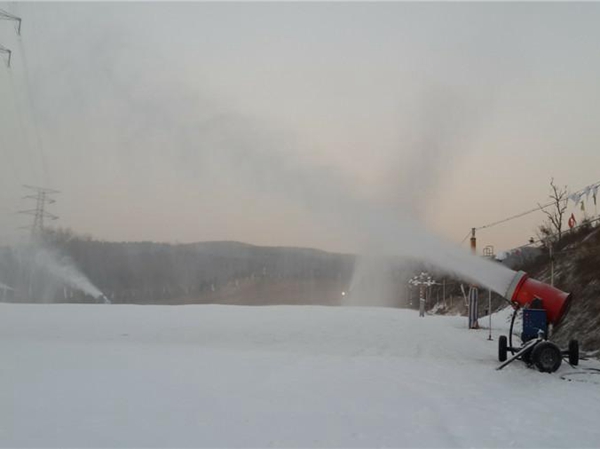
(574, 352)
(546, 357)
(526, 356)
(502, 348)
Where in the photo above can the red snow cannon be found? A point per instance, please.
(540, 305)
(523, 290)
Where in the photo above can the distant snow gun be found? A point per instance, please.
(542, 306)
(104, 299)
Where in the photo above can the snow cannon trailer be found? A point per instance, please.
(542, 306)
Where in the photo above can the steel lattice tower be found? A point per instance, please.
(42, 197)
(8, 16)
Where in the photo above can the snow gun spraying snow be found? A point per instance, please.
(542, 306)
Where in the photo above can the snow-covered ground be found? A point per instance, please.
(152, 376)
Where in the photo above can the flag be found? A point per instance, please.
(575, 197)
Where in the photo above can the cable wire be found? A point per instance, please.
(539, 207)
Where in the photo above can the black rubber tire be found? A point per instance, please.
(574, 352)
(502, 348)
(526, 356)
(546, 357)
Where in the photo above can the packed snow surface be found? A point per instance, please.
(230, 376)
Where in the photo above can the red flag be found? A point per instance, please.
(572, 221)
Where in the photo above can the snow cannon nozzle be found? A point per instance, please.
(524, 290)
(104, 299)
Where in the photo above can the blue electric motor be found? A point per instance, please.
(534, 320)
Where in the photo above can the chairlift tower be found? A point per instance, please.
(422, 280)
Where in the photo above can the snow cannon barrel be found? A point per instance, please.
(523, 290)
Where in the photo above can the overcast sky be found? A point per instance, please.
(223, 121)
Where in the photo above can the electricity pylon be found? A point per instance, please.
(42, 197)
(8, 16)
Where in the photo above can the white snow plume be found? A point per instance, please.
(410, 239)
(385, 231)
(239, 146)
(5, 287)
(438, 130)
(372, 283)
(62, 268)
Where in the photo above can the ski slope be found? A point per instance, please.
(230, 376)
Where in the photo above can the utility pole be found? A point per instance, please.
(42, 197)
(490, 313)
(473, 290)
(8, 16)
(473, 241)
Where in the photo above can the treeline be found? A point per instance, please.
(212, 272)
(148, 272)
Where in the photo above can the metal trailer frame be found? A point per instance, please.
(539, 352)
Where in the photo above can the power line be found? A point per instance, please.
(466, 237)
(540, 207)
(32, 110)
(37, 143)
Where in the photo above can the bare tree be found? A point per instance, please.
(555, 212)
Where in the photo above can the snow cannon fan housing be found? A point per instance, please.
(523, 290)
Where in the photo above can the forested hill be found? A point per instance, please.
(222, 272)
(577, 271)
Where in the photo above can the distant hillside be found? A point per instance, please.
(158, 273)
(238, 273)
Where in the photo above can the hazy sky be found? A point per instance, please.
(225, 121)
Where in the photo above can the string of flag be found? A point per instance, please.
(580, 199)
(575, 197)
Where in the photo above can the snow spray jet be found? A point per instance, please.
(4, 289)
(432, 135)
(372, 282)
(232, 149)
(254, 157)
(62, 268)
